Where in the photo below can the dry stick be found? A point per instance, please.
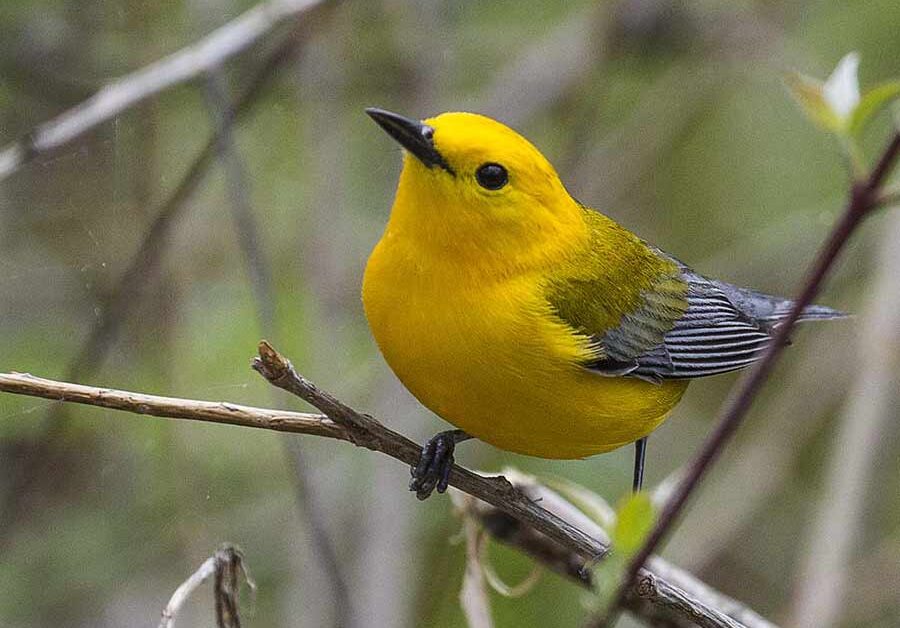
(184, 591)
(864, 197)
(563, 561)
(365, 431)
(226, 565)
(259, 272)
(124, 296)
(183, 65)
(658, 596)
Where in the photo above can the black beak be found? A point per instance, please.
(412, 135)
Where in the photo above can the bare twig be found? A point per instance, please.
(238, 183)
(863, 200)
(259, 273)
(823, 578)
(473, 596)
(124, 296)
(183, 65)
(344, 423)
(227, 565)
(184, 590)
(365, 431)
(172, 408)
(662, 585)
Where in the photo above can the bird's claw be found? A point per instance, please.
(435, 462)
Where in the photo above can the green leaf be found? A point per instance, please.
(634, 520)
(809, 94)
(872, 102)
(633, 523)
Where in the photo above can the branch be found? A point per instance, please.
(122, 298)
(657, 593)
(226, 565)
(179, 67)
(864, 198)
(665, 593)
(341, 422)
(823, 581)
(171, 407)
(260, 276)
(364, 431)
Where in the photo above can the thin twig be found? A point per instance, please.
(183, 65)
(863, 200)
(260, 276)
(671, 586)
(184, 591)
(364, 431)
(227, 564)
(823, 578)
(227, 587)
(473, 596)
(121, 300)
(238, 183)
(171, 407)
(344, 423)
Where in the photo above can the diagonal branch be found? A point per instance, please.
(260, 276)
(823, 583)
(703, 605)
(123, 297)
(864, 199)
(179, 67)
(365, 431)
(657, 593)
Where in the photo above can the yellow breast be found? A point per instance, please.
(491, 358)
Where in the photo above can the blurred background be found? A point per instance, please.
(126, 263)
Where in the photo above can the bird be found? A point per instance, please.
(530, 321)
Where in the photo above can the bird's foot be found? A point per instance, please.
(433, 469)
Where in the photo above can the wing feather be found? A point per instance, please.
(685, 326)
(712, 337)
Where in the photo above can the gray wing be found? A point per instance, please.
(725, 328)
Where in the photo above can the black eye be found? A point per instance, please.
(492, 176)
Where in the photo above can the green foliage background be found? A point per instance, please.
(669, 116)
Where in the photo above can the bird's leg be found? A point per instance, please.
(640, 450)
(433, 469)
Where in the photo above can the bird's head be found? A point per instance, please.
(471, 182)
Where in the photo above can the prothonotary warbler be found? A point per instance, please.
(530, 321)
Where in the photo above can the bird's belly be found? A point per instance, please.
(493, 363)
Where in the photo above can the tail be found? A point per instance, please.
(770, 310)
(821, 313)
(809, 313)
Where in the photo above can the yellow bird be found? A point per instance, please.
(530, 321)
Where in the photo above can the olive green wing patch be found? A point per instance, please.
(683, 326)
(622, 327)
